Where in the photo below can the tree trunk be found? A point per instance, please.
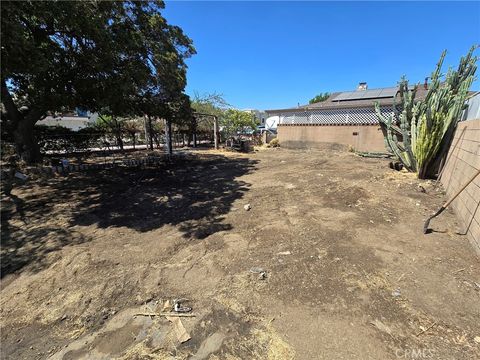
(22, 125)
(118, 133)
(120, 141)
(168, 137)
(150, 132)
(25, 143)
(194, 133)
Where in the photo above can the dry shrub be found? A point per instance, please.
(274, 143)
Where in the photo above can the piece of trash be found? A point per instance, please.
(177, 307)
(21, 176)
(396, 293)
(284, 253)
(166, 314)
(65, 162)
(180, 331)
(247, 207)
(256, 270)
(262, 274)
(477, 339)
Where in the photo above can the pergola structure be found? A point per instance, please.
(198, 117)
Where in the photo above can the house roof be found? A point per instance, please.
(354, 102)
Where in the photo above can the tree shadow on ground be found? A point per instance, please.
(193, 192)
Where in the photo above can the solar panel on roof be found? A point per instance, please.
(372, 93)
(389, 92)
(343, 96)
(366, 94)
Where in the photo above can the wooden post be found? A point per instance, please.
(215, 131)
(194, 132)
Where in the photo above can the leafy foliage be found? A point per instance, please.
(236, 121)
(319, 98)
(212, 104)
(116, 57)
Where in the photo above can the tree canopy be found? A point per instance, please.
(319, 98)
(231, 120)
(237, 121)
(119, 58)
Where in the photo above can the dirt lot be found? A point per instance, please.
(350, 274)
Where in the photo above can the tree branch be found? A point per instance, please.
(12, 111)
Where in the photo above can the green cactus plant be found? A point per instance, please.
(416, 133)
(396, 126)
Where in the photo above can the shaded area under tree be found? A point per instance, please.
(193, 193)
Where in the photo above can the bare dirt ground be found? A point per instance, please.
(350, 274)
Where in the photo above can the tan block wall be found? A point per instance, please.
(367, 138)
(462, 161)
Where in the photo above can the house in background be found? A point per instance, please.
(75, 120)
(259, 115)
(346, 118)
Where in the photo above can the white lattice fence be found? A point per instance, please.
(355, 116)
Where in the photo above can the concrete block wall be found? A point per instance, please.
(462, 161)
(360, 137)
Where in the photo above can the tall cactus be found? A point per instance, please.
(439, 113)
(396, 126)
(415, 134)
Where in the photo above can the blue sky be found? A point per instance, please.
(268, 55)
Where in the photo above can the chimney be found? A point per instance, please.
(425, 84)
(362, 86)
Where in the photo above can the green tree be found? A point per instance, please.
(106, 56)
(113, 126)
(319, 98)
(236, 121)
(132, 127)
(210, 103)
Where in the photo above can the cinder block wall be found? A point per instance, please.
(360, 137)
(462, 161)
